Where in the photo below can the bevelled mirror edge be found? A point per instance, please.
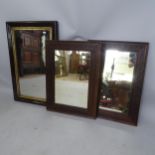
(94, 49)
(11, 27)
(141, 49)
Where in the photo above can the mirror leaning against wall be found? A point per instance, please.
(122, 75)
(27, 51)
(72, 77)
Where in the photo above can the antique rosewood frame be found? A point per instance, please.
(51, 26)
(141, 50)
(95, 49)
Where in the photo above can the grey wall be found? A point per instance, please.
(87, 19)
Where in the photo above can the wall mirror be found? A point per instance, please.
(72, 76)
(122, 74)
(27, 50)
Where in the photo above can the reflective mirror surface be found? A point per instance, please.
(71, 77)
(117, 79)
(29, 50)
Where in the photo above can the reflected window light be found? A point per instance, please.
(44, 32)
(83, 52)
(117, 66)
(56, 58)
(57, 52)
(126, 77)
(83, 56)
(69, 52)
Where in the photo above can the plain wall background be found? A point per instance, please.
(100, 19)
(125, 20)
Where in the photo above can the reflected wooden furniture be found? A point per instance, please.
(74, 62)
(29, 52)
(118, 97)
(83, 70)
(24, 51)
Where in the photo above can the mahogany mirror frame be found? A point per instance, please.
(11, 26)
(141, 50)
(93, 84)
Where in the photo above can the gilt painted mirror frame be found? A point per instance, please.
(47, 26)
(94, 49)
(141, 51)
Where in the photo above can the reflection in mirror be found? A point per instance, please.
(117, 78)
(71, 78)
(30, 53)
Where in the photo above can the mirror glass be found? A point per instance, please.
(71, 77)
(117, 79)
(29, 46)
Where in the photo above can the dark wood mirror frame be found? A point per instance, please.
(11, 26)
(141, 50)
(94, 49)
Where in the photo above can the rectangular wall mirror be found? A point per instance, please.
(71, 77)
(122, 74)
(27, 50)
